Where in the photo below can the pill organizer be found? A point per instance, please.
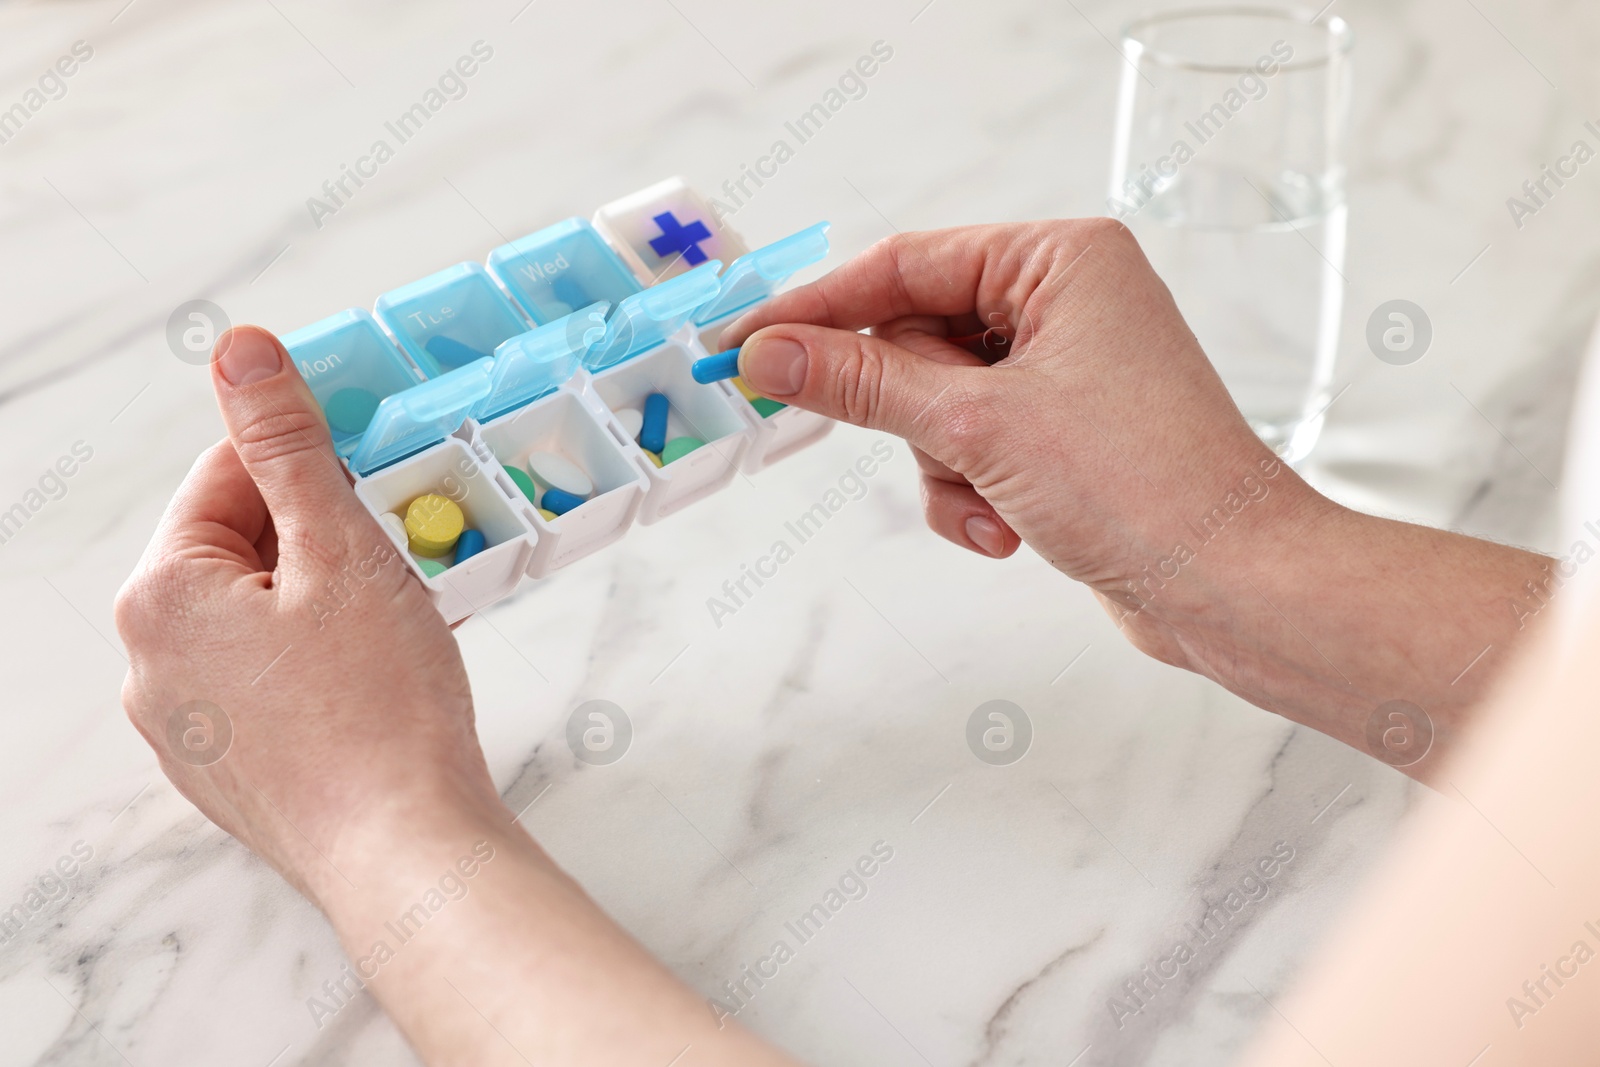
(553, 346)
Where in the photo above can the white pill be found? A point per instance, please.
(551, 471)
(395, 525)
(632, 420)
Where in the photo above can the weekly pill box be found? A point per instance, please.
(453, 380)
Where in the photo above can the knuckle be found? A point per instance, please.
(1105, 230)
(212, 451)
(275, 435)
(127, 610)
(858, 385)
(1106, 235)
(151, 592)
(891, 251)
(931, 513)
(884, 248)
(943, 509)
(133, 706)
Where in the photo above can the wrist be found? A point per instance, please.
(398, 846)
(1278, 542)
(1223, 549)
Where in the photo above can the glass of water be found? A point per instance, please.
(1229, 167)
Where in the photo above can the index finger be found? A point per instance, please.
(952, 272)
(217, 513)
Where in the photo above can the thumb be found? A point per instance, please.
(855, 378)
(279, 433)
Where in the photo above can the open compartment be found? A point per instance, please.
(704, 412)
(780, 433)
(563, 424)
(710, 337)
(351, 366)
(748, 282)
(450, 318)
(453, 470)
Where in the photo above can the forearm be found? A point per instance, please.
(1477, 931)
(1325, 615)
(518, 965)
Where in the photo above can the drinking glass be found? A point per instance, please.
(1229, 167)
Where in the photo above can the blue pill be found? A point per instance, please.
(653, 433)
(570, 293)
(469, 544)
(451, 353)
(558, 502)
(716, 368)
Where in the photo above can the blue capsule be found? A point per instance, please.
(450, 352)
(716, 368)
(653, 433)
(469, 544)
(558, 502)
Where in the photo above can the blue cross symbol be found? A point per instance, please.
(676, 237)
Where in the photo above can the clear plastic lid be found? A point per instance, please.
(561, 268)
(450, 318)
(423, 415)
(351, 365)
(668, 230)
(538, 362)
(756, 275)
(646, 319)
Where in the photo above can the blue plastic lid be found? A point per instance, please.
(756, 275)
(351, 365)
(537, 362)
(646, 319)
(560, 269)
(451, 318)
(421, 416)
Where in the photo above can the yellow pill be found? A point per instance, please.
(654, 458)
(433, 523)
(749, 393)
(549, 516)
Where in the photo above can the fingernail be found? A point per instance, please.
(775, 367)
(985, 533)
(247, 356)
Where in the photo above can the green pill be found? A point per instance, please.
(767, 406)
(679, 447)
(350, 410)
(431, 567)
(524, 483)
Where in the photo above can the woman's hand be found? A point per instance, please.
(299, 687)
(1102, 437)
(293, 678)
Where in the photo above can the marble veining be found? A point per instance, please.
(828, 714)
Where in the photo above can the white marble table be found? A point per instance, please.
(829, 714)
